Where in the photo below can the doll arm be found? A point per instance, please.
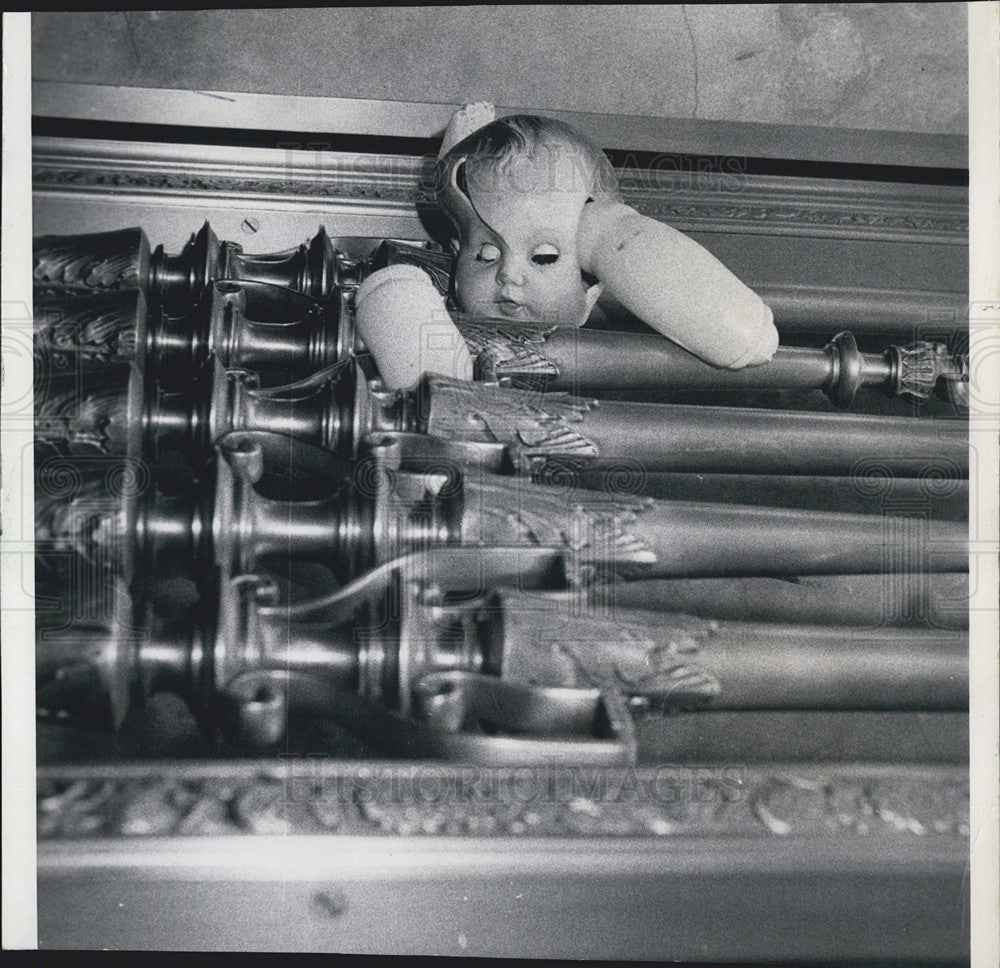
(675, 286)
(407, 328)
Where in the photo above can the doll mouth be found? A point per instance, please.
(512, 308)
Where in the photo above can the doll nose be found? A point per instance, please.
(510, 274)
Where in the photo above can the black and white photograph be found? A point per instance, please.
(503, 481)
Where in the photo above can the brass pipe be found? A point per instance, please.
(935, 600)
(543, 428)
(596, 361)
(631, 537)
(122, 260)
(540, 431)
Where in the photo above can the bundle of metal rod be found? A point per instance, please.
(516, 659)
(278, 497)
(100, 262)
(300, 465)
(508, 429)
(262, 325)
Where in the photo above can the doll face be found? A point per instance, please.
(518, 257)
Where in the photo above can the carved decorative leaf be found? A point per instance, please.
(593, 530)
(98, 331)
(533, 426)
(99, 262)
(95, 420)
(659, 663)
(507, 352)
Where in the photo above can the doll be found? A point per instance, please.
(541, 232)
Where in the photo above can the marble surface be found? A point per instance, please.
(895, 66)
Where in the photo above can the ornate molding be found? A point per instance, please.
(691, 201)
(779, 206)
(306, 796)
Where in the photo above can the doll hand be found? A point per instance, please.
(762, 342)
(464, 121)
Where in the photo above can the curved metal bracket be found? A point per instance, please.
(462, 709)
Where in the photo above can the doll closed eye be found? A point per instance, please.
(545, 254)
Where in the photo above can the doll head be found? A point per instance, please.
(515, 190)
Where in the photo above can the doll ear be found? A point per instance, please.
(458, 178)
(455, 198)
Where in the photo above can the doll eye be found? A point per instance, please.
(488, 253)
(545, 254)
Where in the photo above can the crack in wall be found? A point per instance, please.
(694, 57)
(131, 37)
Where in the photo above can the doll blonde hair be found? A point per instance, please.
(489, 157)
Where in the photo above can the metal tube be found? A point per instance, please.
(636, 538)
(745, 440)
(867, 490)
(542, 428)
(673, 661)
(898, 313)
(646, 538)
(592, 361)
(529, 355)
(938, 600)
